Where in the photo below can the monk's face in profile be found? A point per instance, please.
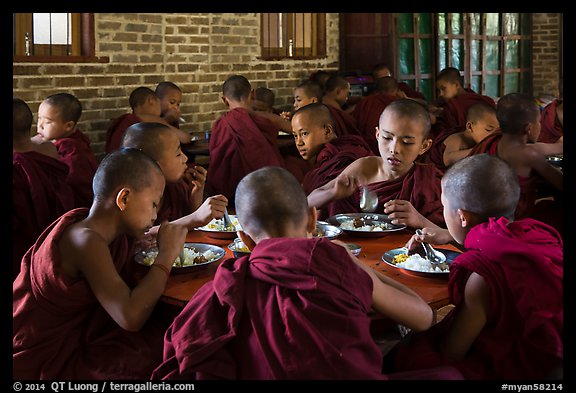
(51, 125)
(401, 140)
(534, 129)
(447, 90)
(483, 127)
(140, 208)
(170, 105)
(310, 135)
(172, 160)
(301, 99)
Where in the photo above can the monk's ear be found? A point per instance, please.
(426, 145)
(122, 198)
(469, 126)
(225, 101)
(467, 218)
(313, 100)
(312, 217)
(328, 130)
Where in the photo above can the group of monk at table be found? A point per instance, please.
(464, 169)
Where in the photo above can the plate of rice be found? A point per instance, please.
(365, 224)
(218, 230)
(197, 256)
(416, 264)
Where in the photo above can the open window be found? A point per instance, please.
(293, 35)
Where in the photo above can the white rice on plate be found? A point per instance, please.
(190, 256)
(420, 264)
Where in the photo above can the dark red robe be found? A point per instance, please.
(344, 122)
(40, 194)
(334, 157)
(296, 308)
(420, 186)
(60, 330)
(522, 265)
(76, 152)
(453, 117)
(367, 114)
(240, 144)
(115, 132)
(410, 92)
(528, 185)
(551, 129)
(176, 202)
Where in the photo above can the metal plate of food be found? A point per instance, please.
(216, 229)
(365, 224)
(556, 159)
(415, 264)
(197, 256)
(324, 229)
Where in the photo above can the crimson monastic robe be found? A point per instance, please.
(420, 186)
(551, 129)
(115, 132)
(367, 114)
(60, 330)
(522, 265)
(76, 152)
(296, 308)
(334, 157)
(410, 92)
(453, 117)
(528, 185)
(240, 144)
(344, 122)
(176, 202)
(40, 194)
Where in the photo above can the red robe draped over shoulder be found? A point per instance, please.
(333, 159)
(76, 152)
(410, 92)
(528, 185)
(238, 146)
(60, 330)
(115, 132)
(453, 117)
(367, 114)
(176, 202)
(296, 308)
(40, 194)
(551, 129)
(345, 123)
(522, 265)
(421, 186)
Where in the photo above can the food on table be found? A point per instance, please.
(361, 224)
(191, 257)
(217, 224)
(418, 263)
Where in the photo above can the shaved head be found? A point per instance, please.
(317, 113)
(407, 108)
(270, 200)
(148, 137)
(236, 88)
(514, 111)
(482, 184)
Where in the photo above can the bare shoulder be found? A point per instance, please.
(364, 166)
(78, 245)
(48, 149)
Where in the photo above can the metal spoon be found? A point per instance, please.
(435, 257)
(227, 221)
(368, 200)
(182, 257)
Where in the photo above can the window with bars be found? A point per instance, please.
(53, 37)
(293, 35)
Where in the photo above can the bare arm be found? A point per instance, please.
(539, 164)
(469, 320)
(196, 179)
(280, 122)
(338, 188)
(549, 149)
(129, 307)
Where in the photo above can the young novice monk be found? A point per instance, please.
(40, 192)
(316, 140)
(74, 316)
(244, 140)
(409, 192)
(335, 96)
(58, 117)
(481, 122)
(183, 200)
(170, 96)
(296, 308)
(507, 287)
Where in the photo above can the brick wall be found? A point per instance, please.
(545, 53)
(198, 52)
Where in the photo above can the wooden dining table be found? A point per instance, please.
(181, 287)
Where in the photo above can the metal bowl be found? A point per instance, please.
(236, 248)
(198, 247)
(368, 219)
(388, 257)
(324, 229)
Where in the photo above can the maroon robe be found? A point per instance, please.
(453, 117)
(239, 145)
(551, 129)
(367, 114)
(60, 330)
(345, 123)
(115, 132)
(528, 185)
(420, 186)
(296, 308)
(522, 265)
(435, 155)
(40, 194)
(176, 202)
(410, 92)
(76, 152)
(334, 157)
